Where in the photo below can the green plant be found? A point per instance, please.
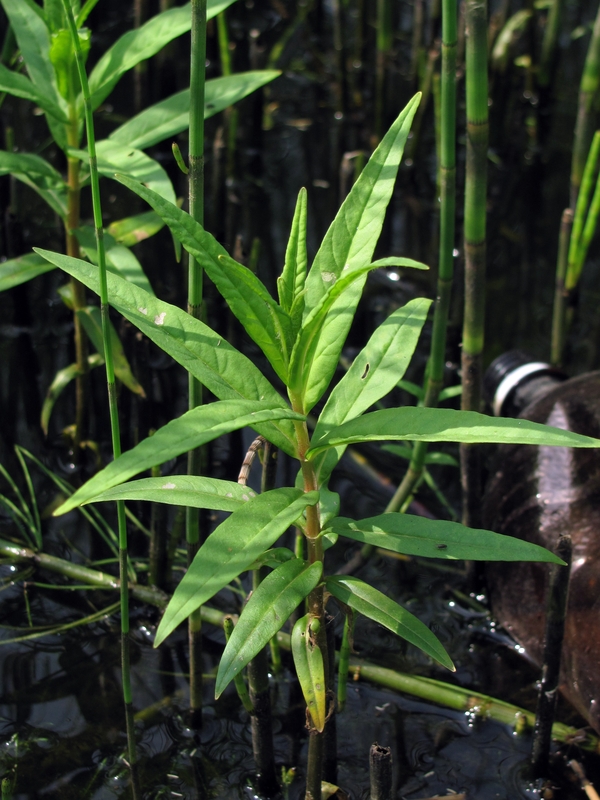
(301, 337)
(52, 84)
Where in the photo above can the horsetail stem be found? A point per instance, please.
(112, 397)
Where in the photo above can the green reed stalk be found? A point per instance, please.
(447, 171)
(112, 398)
(474, 239)
(585, 218)
(560, 295)
(231, 113)
(383, 46)
(584, 126)
(549, 42)
(195, 297)
(576, 233)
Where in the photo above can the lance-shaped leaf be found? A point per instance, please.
(172, 116)
(22, 269)
(33, 39)
(231, 549)
(92, 322)
(182, 490)
(311, 367)
(267, 610)
(377, 606)
(310, 669)
(406, 452)
(37, 173)
(119, 259)
(142, 43)
(19, 85)
(131, 230)
(351, 239)
(374, 372)
(349, 244)
(225, 371)
(247, 297)
(446, 425)
(273, 558)
(192, 429)
(290, 284)
(134, 163)
(61, 380)
(433, 538)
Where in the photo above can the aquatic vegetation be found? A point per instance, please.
(301, 333)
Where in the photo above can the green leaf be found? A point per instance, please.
(22, 269)
(92, 322)
(310, 669)
(131, 230)
(62, 56)
(86, 9)
(19, 85)
(351, 239)
(290, 284)
(434, 538)
(267, 610)
(33, 39)
(172, 116)
(247, 297)
(374, 372)
(446, 425)
(373, 604)
(231, 549)
(119, 259)
(37, 173)
(444, 459)
(312, 367)
(448, 392)
(273, 558)
(182, 490)
(142, 43)
(134, 163)
(61, 380)
(412, 388)
(225, 371)
(348, 246)
(192, 429)
(394, 261)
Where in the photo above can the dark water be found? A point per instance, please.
(61, 726)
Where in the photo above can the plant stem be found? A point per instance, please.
(584, 126)
(261, 720)
(549, 41)
(112, 399)
(195, 296)
(447, 160)
(77, 288)
(556, 611)
(475, 247)
(240, 684)
(380, 769)
(560, 294)
(316, 608)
